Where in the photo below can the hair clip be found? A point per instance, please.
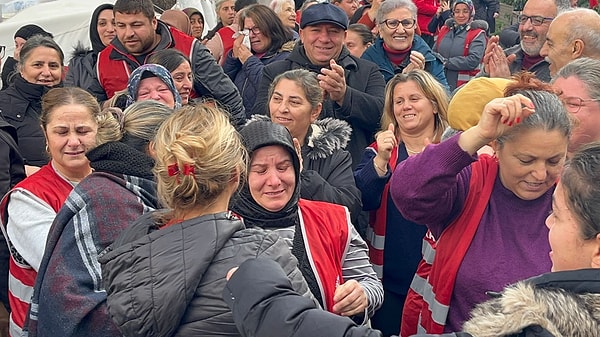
(173, 170)
(188, 169)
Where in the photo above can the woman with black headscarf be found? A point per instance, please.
(83, 61)
(331, 255)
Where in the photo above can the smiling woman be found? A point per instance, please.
(102, 32)
(415, 109)
(40, 69)
(493, 209)
(69, 125)
(399, 49)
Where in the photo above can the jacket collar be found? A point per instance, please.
(166, 41)
(577, 281)
(298, 55)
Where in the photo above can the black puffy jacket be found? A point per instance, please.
(168, 282)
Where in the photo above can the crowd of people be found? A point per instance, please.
(304, 168)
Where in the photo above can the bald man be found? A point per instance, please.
(572, 35)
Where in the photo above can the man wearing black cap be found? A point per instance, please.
(21, 36)
(354, 88)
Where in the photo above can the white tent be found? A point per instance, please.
(68, 20)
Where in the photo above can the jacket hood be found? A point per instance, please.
(325, 136)
(97, 44)
(80, 50)
(563, 303)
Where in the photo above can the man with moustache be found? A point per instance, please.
(533, 26)
(572, 35)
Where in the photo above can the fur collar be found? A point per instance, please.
(559, 310)
(80, 50)
(325, 136)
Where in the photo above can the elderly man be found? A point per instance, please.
(579, 85)
(534, 22)
(354, 88)
(572, 35)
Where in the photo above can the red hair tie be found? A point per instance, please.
(188, 169)
(173, 170)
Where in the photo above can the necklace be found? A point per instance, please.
(409, 151)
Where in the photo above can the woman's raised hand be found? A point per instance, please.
(386, 141)
(498, 116)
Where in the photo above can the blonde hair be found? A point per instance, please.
(432, 90)
(136, 126)
(201, 137)
(109, 126)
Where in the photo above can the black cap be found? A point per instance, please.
(28, 31)
(324, 13)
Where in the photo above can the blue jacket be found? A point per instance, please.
(433, 65)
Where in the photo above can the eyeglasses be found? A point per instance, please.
(254, 30)
(574, 104)
(536, 20)
(2, 51)
(394, 23)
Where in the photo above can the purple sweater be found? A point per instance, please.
(511, 242)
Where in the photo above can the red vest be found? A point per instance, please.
(226, 34)
(326, 232)
(378, 220)
(113, 71)
(428, 299)
(463, 75)
(53, 189)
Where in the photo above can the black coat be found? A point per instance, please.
(264, 304)
(20, 105)
(9, 71)
(12, 171)
(363, 103)
(168, 282)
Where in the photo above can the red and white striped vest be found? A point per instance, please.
(464, 76)
(428, 299)
(326, 231)
(377, 220)
(53, 189)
